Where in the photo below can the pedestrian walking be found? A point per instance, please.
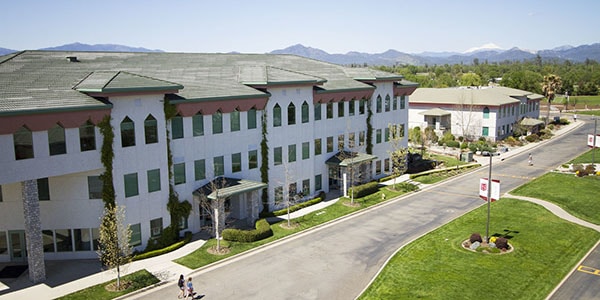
(575, 117)
(530, 159)
(181, 285)
(190, 288)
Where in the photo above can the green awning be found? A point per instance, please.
(346, 158)
(226, 187)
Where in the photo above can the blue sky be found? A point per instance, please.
(259, 26)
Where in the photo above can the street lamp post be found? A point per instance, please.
(489, 200)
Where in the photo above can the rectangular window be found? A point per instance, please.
(361, 107)
(136, 235)
(278, 194)
(236, 162)
(277, 154)
(485, 131)
(401, 129)
(198, 124)
(341, 108)
(318, 184)
(177, 127)
(386, 135)
(329, 144)
(329, 110)
(352, 140)
(351, 108)
(305, 150)
(23, 142)
(292, 190)
(179, 173)
(96, 238)
(43, 189)
(378, 136)
(3, 243)
(340, 142)
(153, 180)
(386, 165)
(317, 111)
(291, 153)
(83, 239)
(94, 187)
(64, 240)
(199, 169)
(156, 227)
(48, 240)
(252, 159)
(183, 223)
(395, 103)
(217, 122)
(150, 130)
(251, 114)
(361, 138)
(378, 167)
(318, 147)
(234, 120)
(131, 185)
(219, 166)
(87, 137)
(1, 194)
(56, 140)
(306, 187)
(402, 102)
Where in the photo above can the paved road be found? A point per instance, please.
(584, 282)
(338, 260)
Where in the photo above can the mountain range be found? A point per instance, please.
(487, 53)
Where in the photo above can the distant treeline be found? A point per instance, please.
(577, 78)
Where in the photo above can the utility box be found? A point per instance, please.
(466, 156)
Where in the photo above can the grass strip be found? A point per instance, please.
(138, 280)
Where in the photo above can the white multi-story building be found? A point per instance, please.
(473, 112)
(270, 124)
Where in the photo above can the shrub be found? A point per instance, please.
(590, 169)
(365, 189)
(262, 231)
(475, 237)
(532, 138)
(406, 187)
(464, 145)
(502, 243)
(453, 144)
(550, 126)
(167, 238)
(293, 208)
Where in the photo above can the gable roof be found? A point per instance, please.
(58, 80)
(485, 96)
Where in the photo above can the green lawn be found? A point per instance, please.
(592, 102)
(139, 279)
(589, 112)
(586, 158)
(436, 266)
(448, 161)
(201, 257)
(576, 195)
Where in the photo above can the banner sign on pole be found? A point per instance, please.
(484, 186)
(590, 141)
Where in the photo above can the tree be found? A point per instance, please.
(552, 83)
(465, 116)
(115, 250)
(291, 197)
(398, 153)
(212, 201)
(470, 79)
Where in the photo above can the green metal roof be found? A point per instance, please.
(492, 96)
(227, 187)
(52, 80)
(347, 158)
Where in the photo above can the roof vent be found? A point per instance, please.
(72, 58)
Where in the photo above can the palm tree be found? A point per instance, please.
(552, 83)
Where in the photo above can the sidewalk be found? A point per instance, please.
(65, 277)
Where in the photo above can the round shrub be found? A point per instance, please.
(262, 231)
(475, 237)
(532, 138)
(502, 243)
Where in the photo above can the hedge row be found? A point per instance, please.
(364, 189)
(262, 231)
(186, 239)
(295, 207)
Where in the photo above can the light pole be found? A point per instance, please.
(489, 200)
(594, 141)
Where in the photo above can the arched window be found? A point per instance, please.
(87, 136)
(304, 112)
(198, 124)
(387, 102)
(378, 108)
(234, 120)
(56, 140)
(150, 130)
(177, 127)
(23, 142)
(486, 113)
(127, 133)
(276, 115)
(217, 122)
(291, 110)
